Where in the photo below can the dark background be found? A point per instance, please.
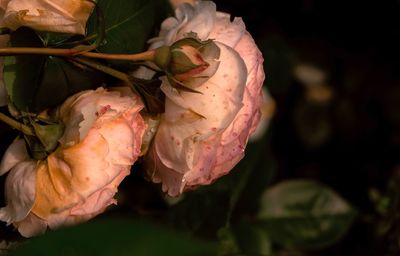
(352, 141)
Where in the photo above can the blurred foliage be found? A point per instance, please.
(305, 214)
(115, 237)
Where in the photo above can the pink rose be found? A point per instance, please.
(203, 136)
(101, 141)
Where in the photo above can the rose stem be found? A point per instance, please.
(105, 69)
(17, 125)
(148, 55)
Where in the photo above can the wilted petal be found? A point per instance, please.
(65, 177)
(48, 15)
(80, 178)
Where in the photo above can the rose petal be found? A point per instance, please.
(15, 153)
(226, 31)
(20, 192)
(31, 226)
(73, 173)
(181, 132)
(221, 95)
(48, 15)
(111, 132)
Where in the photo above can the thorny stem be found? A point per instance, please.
(143, 56)
(17, 125)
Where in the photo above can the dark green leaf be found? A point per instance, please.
(53, 39)
(304, 214)
(128, 24)
(36, 149)
(201, 212)
(115, 237)
(252, 240)
(38, 82)
(48, 134)
(227, 242)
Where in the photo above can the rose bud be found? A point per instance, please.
(78, 180)
(188, 62)
(202, 136)
(47, 15)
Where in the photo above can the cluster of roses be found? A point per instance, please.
(200, 136)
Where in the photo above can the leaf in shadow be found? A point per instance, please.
(38, 82)
(128, 24)
(304, 213)
(116, 237)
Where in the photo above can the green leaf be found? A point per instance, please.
(303, 213)
(115, 237)
(128, 24)
(38, 82)
(48, 134)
